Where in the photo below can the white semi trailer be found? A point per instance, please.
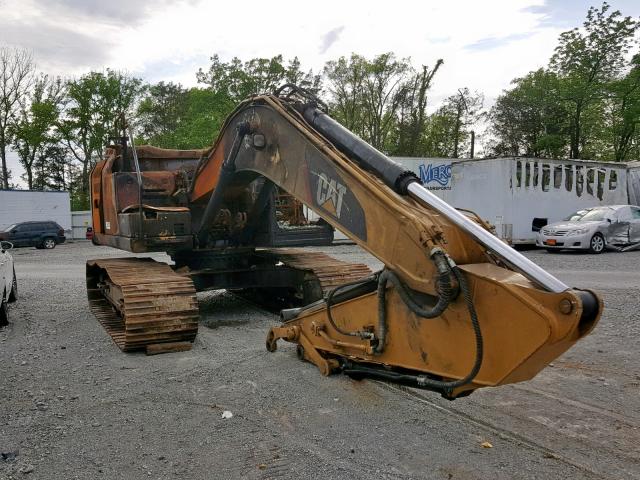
(520, 195)
(29, 205)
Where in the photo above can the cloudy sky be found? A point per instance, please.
(484, 44)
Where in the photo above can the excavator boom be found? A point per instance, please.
(454, 309)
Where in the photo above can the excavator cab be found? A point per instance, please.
(139, 200)
(141, 203)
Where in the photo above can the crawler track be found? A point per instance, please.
(329, 271)
(144, 304)
(141, 302)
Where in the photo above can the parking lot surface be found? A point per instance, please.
(74, 406)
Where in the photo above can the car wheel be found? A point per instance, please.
(4, 313)
(49, 243)
(13, 294)
(596, 245)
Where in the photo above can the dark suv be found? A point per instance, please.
(34, 234)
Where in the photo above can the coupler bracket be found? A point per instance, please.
(305, 349)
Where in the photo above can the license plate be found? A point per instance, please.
(551, 241)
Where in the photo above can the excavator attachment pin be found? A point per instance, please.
(566, 306)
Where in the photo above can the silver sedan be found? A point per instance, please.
(616, 227)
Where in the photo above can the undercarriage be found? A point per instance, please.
(148, 305)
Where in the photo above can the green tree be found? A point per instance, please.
(382, 97)
(586, 60)
(96, 100)
(16, 75)
(205, 113)
(623, 113)
(34, 128)
(345, 84)
(412, 120)
(366, 95)
(448, 129)
(161, 112)
(118, 94)
(257, 76)
(173, 117)
(528, 119)
(439, 133)
(51, 168)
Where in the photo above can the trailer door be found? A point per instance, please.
(633, 185)
(634, 231)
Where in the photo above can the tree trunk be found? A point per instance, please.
(5, 170)
(456, 133)
(29, 178)
(423, 86)
(575, 139)
(85, 175)
(624, 144)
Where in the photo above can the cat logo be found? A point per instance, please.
(329, 194)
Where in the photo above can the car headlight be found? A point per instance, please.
(579, 231)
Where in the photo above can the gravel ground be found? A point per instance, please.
(74, 406)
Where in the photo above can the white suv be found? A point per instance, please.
(8, 282)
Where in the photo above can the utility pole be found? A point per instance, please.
(473, 143)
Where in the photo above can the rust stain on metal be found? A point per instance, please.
(156, 305)
(329, 271)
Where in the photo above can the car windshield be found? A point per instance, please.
(595, 215)
(574, 217)
(9, 228)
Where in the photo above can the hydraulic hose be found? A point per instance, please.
(329, 302)
(423, 381)
(445, 290)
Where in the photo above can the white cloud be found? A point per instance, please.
(181, 35)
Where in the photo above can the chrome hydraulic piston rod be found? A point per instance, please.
(518, 261)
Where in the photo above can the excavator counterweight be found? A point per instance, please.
(454, 308)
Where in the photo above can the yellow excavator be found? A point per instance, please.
(453, 310)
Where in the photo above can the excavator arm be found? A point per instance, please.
(453, 310)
